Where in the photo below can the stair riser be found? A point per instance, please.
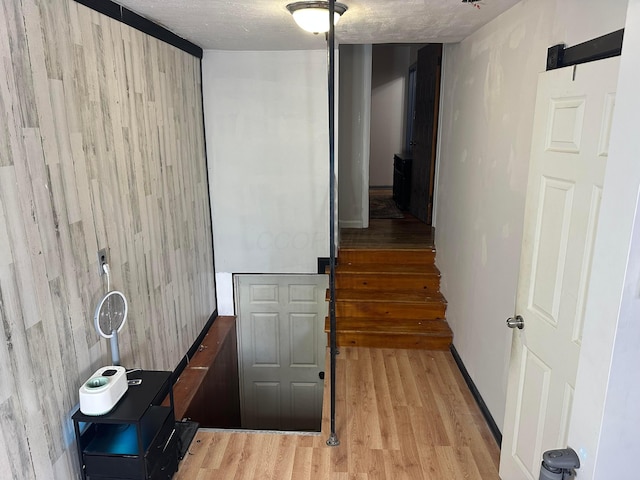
(413, 316)
(408, 257)
(390, 310)
(388, 282)
(392, 341)
(433, 326)
(381, 325)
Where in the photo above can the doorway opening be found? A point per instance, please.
(389, 99)
(281, 351)
(263, 369)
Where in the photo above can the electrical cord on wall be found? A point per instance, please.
(105, 268)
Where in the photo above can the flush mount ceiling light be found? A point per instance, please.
(314, 16)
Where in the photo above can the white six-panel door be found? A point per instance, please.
(572, 122)
(281, 344)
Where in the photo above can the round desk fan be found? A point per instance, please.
(110, 315)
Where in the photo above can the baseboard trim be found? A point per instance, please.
(350, 224)
(495, 431)
(194, 347)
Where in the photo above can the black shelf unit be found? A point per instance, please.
(137, 439)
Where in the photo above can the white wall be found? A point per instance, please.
(579, 21)
(488, 91)
(354, 119)
(486, 121)
(266, 124)
(389, 73)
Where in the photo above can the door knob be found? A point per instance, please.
(515, 322)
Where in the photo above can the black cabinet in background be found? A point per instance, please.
(402, 180)
(136, 440)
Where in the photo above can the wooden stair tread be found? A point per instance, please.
(387, 268)
(386, 255)
(381, 296)
(398, 326)
(390, 298)
(374, 250)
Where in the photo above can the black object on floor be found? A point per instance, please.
(185, 430)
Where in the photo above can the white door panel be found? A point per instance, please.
(281, 346)
(568, 160)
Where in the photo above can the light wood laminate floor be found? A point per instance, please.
(401, 414)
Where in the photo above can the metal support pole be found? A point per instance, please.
(333, 438)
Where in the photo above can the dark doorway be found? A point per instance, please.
(425, 128)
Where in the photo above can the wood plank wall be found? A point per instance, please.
(101, 146)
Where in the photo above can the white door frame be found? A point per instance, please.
(603, 431)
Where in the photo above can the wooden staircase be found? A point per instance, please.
(390, 298)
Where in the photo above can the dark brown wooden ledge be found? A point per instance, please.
(207, 391)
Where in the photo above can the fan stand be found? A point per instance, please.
(115, 350)
(105, 306)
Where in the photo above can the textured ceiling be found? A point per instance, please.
(267, 25)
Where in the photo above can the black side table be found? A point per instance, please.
(402, 180)
(137, 439)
